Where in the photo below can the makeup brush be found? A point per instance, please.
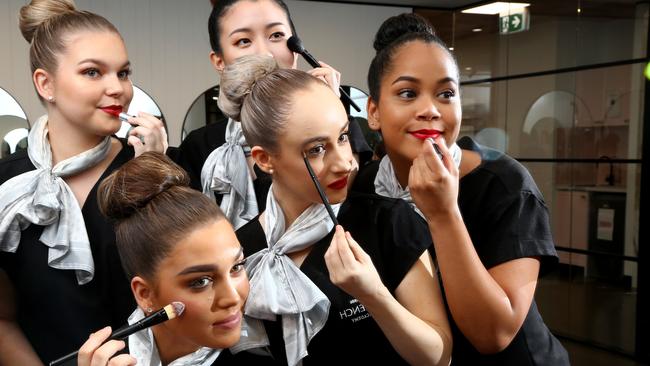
(323, 197)
(171, 311)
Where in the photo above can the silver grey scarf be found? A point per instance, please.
(225, 172)
(42, 197)
(142, 346)
(386, 183)
(278, 286)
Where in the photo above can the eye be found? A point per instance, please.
(201, 282)
(345, 137)
(406, 94)
(316, 150)
(124, 74)
(238, 267)
(277, 36)
(91, 72)
(242, 42)
(447, 94)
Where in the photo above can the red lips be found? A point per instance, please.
(425, 134)
(114, 110)
(339, 184)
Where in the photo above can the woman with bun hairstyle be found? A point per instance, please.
(487, 218)
(60, 275)
(217, 156)
(175, 245)
(316, 288)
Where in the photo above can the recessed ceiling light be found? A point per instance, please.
(495, 8)
(476, 30)
(451, 48)
(468, 68)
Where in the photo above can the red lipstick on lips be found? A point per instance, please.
(339, 184)
(425, 134)
(114, 110)
(229, 322)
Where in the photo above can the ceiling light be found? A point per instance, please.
(476, 30)
(496, 8)
(451, 48)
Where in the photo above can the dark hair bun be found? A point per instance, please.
(399, 25)
(138, 182)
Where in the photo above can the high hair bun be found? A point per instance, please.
(38, 12)
(138, 182)
(399, 25)
(238, 80)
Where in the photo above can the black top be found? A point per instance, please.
(394, 237)
(506, 218)
(56, 313)
(195, 148)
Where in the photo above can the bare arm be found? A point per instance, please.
(415, 322)
(14, 347)
(489, 306)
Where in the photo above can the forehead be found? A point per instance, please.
(106, 46)
(213, 243)
(316, 111)
(248, 13)
(422, 59)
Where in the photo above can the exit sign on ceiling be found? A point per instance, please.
(514, 22)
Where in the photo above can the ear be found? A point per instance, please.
(143, 292)
(373, 115)
(217, 61)
(262, 158)
(44, 83)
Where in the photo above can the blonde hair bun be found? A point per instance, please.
(38, 12)
(238, 81)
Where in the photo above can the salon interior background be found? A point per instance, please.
(566, 97)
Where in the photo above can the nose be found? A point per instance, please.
(261, 48)
(427, 109)
(114, 86)
(341, 159)
(227, 295)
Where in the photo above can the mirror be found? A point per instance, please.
(360, 97)
(203, 111)
(14, 126)
(141, 102)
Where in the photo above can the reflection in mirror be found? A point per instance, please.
(361, 98)
(13, 125)
(203, 111)
(141, 102)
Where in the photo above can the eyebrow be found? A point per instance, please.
(270, 25)
(414, 80)
(322, 138)
(101, 63)
(200, 268)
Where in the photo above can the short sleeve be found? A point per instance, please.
(518, 227)
(390, 232)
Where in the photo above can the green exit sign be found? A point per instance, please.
(514, 22)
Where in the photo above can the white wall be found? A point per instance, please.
(168, 47)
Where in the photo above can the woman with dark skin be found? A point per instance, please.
(487, 218)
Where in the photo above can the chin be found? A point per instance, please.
(224, 340)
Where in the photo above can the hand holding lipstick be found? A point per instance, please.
(148, 133)
(433, 181)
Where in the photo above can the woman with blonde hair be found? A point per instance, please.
(60, 275)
